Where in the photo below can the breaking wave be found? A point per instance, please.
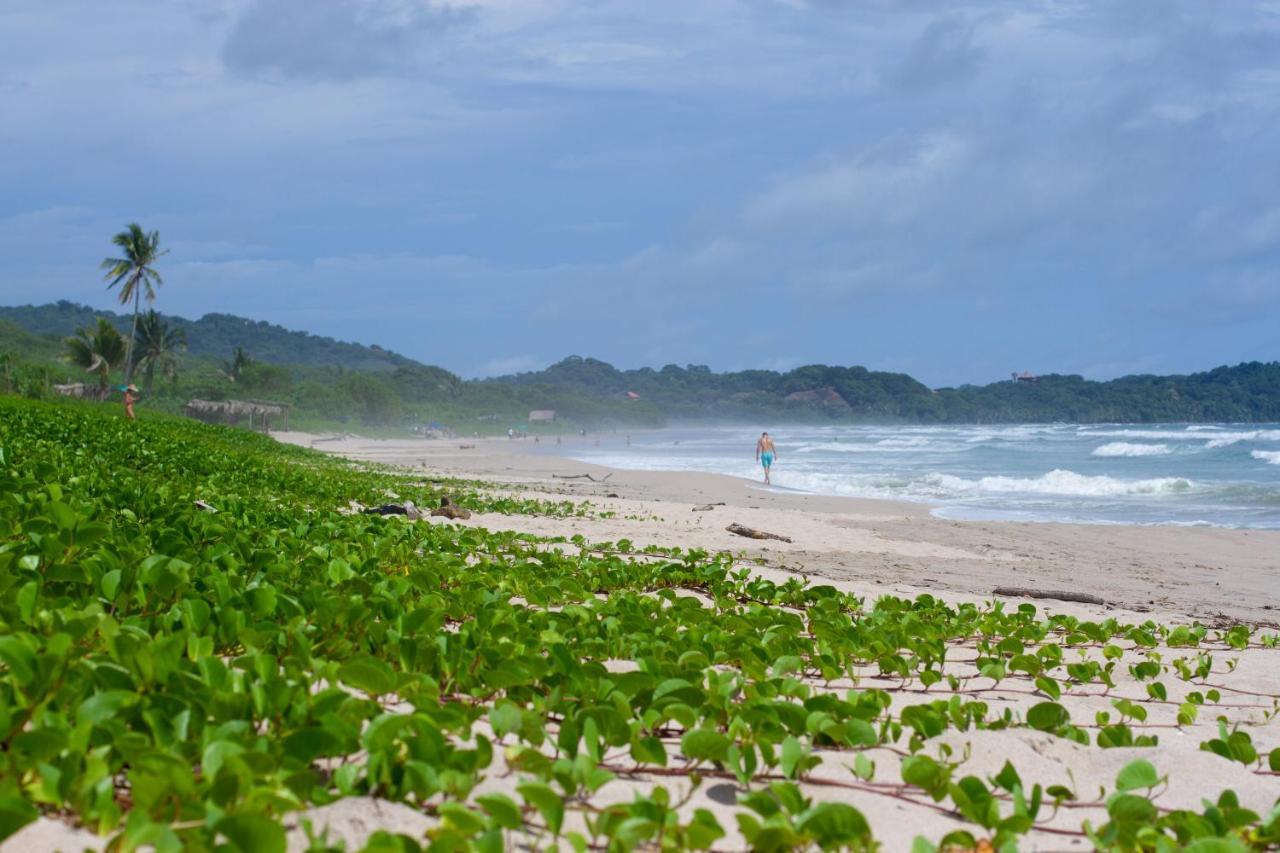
(1124, 448)
(1269, 456)
(1063, 482)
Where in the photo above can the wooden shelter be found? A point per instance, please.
(81, 391)
(259, 412)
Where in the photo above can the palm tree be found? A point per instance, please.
(135, 273)
(98, 350)
(157, 347)
(234, 368)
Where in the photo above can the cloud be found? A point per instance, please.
(945, 53)
(889, 183)
(336, 40)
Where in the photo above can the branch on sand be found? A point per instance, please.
(752, 533)
(708, 507)
(1057, 594)
(582, 476)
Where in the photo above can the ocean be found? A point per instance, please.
(1225, 475)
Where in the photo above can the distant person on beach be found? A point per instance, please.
(765, 454)
(130, 397)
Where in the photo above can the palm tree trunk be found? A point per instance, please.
(133, 333)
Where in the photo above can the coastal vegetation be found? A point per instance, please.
(200, 641)
(333, 383)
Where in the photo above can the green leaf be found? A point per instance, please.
(705, 745)
(1138, 773)
(502, 809)
(1047, 716)
(15, 813)
(19, 658)
(368, 674)
(649, 750)
(461, 818)
(792, 754)
(548, 803)
(111, 584)
(252, 833)
(834, 823)
(505, 718)
(1048, 686)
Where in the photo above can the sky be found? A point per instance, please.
(956, 190)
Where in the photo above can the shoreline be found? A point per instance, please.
(868, 545)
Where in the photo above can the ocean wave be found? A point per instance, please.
(1063, 482)
(1269, 456)
(1124, 448)
(885, 445)
(1186, 435)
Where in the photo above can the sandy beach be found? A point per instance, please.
(1166, 574)
(872, 547)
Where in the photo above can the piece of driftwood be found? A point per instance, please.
(752, 533)
(708, 507)
(466, 447)
(582, 476)
(449, 509)
(1057, 594)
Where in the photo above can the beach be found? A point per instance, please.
(1168, 575)
(1143, 574)
(871, 547)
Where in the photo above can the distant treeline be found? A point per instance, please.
(336, 382)
(1246, 392)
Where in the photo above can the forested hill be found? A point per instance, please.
(1246, 392)
(346, 381)
(219, 335)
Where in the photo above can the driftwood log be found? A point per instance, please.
(708, 507)
(449, 509)
(582, 477)
(1056, 594)
(752, 533)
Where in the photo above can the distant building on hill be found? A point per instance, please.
(542, 416)
(1024, 376)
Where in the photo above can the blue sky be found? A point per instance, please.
(951, 189)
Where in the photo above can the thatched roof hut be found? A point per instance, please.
(81, 390)
(232, 411)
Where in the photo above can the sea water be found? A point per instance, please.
(1224, 475)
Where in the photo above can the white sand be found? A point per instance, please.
(1169, 573)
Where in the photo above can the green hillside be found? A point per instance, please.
(218, 335)
(1246, 392)
(330, 382)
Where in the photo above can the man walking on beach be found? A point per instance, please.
(765, 454)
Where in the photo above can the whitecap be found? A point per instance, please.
(1269, 456)
(1063, 482)
(1124, 448)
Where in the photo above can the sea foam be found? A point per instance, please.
(1063, 482)
(1124, 448)
(1270, 456)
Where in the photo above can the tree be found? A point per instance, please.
(135, 273)
(98, 349)
(234, 368)
(157, 347)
